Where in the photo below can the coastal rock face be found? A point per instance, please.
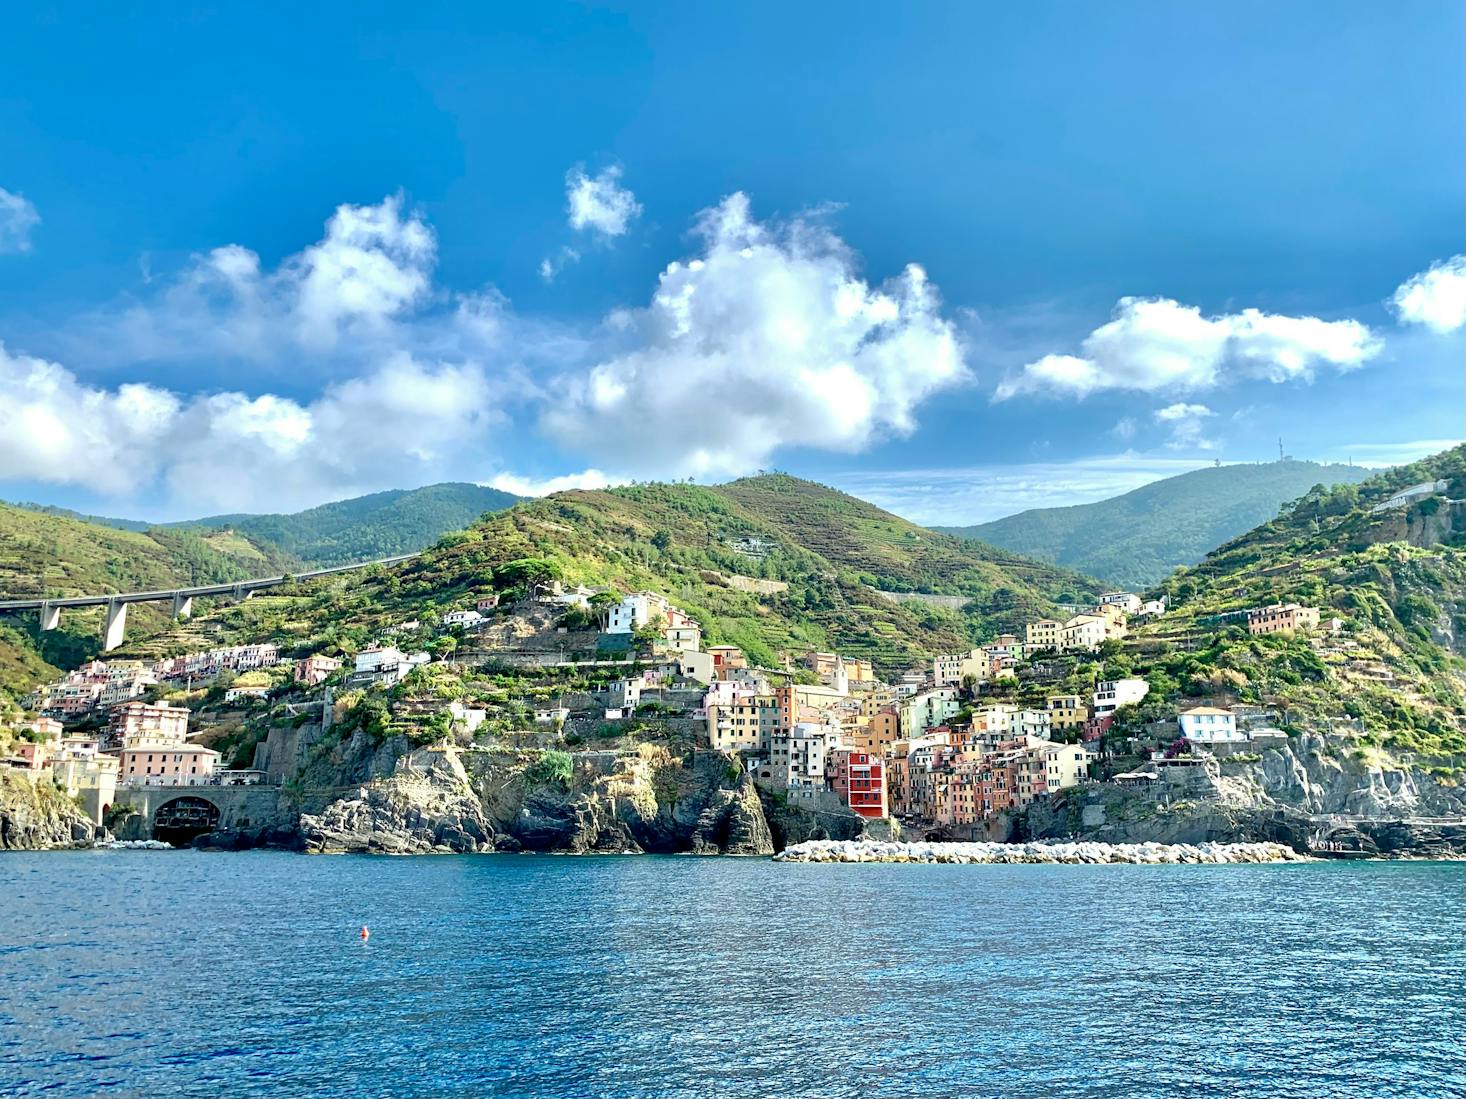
(646, 800)
(36, 816)
(791, 825)
(630, 801)
(1295, 793)
(426, 805)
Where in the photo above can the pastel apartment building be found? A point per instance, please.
(636, 610)
(681, 631)
(742, 720)
(1280, 617)
(139, 724)
(1084, 633)
(384, 664)
(1067, 712)
(1044, 634)
(166, 765)
(858, 779)
(799, 758)
(726, 658)
(314, 670)
(1111, 694)
(1210, 725)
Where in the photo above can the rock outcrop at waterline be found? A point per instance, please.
(426, 805)
(446, 800)
(36, 816)
(1072, 853)
(1303, 792)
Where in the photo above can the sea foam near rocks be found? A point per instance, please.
(1082, 853)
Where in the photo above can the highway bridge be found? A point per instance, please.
(115, 621)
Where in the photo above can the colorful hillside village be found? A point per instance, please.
(939, 748)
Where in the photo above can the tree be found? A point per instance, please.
(649, 634)
(526, 571)
(662, 539)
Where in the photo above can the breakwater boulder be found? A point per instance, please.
(1082, 853)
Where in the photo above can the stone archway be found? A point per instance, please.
(179, 820)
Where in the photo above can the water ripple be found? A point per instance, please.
(242, 975)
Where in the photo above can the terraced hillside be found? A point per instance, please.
(826, 557)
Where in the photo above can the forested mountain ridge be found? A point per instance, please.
(701, 546)
(1392, 680)
(343, 532)
(1137, 538)
(365, 528)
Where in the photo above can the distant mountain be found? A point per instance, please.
(1137, 539)
(366, 527)
(1395, 677)
(100, 520)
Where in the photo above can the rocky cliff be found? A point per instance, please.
(1300, 792)
(36, 816)
(647, 799)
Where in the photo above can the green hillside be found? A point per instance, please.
(100, 520)
(367, 527)
(1138, 538)
(835, 554)
(1394, 679)
(52, 555)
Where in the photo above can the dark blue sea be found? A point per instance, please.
(177, 973)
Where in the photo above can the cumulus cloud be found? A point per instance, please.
(1435, 298)
(543, 486)
(1155, 344)
(768, 339)
(18, 216)
(401, 423)
(599, 204)
(372, 267)
(1186, 423)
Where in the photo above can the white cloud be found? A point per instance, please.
(1124, 428)
(599, 203)
(551, 266)
(1391, 453)
(1156, 344)
(978, 494)
(1435, 298)
(18, 216)
(768, 339)
(1186, 422)
(532, 486)
(402, 423)
(345, 293)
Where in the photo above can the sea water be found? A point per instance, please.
(180, 973)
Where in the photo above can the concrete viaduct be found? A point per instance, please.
(115, 620)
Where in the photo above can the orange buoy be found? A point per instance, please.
(365, 934)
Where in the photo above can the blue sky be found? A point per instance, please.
(963, 260)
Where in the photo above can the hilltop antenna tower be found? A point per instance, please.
(1280, 448)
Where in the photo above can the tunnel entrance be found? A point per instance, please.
(180, 820)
